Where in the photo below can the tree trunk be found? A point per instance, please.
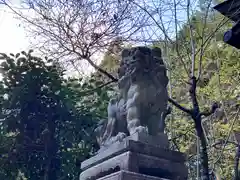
(203, 153)
(236, 175)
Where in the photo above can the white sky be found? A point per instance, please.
(12, 36)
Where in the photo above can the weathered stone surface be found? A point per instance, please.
(142, 99)
(126, 175)
(134, 144)
(161, 140)
(139, 163)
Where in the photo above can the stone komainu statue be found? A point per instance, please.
(142, 97)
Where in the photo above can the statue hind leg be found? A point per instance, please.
(133, 115)
(109, 130)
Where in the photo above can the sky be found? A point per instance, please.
(12, 35)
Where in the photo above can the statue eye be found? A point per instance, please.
(125, 53)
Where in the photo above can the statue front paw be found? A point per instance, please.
(139, 129)
(142, 129)
(120, 136)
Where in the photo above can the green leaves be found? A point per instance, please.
(17, 55)
(24, 53)
(4, 66)
(3, 56)
(42, 108)
(219, 82)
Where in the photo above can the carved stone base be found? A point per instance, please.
(160, 141)
(132, 155)
(126, 175)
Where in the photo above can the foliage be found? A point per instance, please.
(48, 134)
(218, 82)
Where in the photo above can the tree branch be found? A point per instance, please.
(179, 106)
(237, 156)
(99, 87)
(101, 70)
(214, 107)
(228, 136)
(193, 95)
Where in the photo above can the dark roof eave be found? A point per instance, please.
(230, 9)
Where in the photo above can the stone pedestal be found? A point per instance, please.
(139, 157)
(126, 175)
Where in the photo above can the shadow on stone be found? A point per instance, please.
(156, 172)
(105, 173)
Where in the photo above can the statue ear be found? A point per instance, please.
(125, 52)
(157, 51)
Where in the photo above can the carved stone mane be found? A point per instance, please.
(142, 97)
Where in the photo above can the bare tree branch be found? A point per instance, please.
(214, 107)
(228, 136)
(179, 106)
(99, 87)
